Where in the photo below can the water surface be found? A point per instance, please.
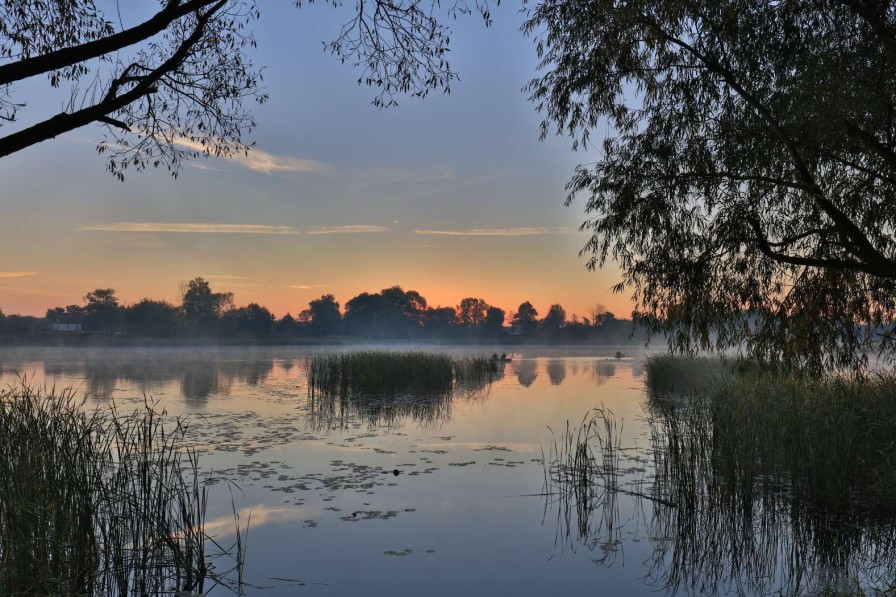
(466, 512)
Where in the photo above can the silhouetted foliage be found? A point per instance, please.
(747, 183)
(471, 313)
(174, 86)
(525, 318)
(324, 317)
(555, 318)
(152, 318)
(391, 314)
(493, 325)
(201, 306)
(103, 314)
(251, 320)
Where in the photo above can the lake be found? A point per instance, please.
(466, 512)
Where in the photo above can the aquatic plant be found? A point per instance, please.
(384, 386)
(760, 483)
(98, 502)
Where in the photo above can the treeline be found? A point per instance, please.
(391, 314)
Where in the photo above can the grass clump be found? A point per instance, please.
(385, 386)
(830, 441)
(378, 372)
(97, 503)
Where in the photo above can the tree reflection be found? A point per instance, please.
(526, 372)
(556, 371)
(709, 535)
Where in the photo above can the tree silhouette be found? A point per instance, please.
(201, 306)
(747, 184)
(102, 310)
(525, 318)
(471, 312)
(555, 318)
(324, 316)
(175, 84)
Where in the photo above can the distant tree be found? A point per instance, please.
(152, 318)
(555, 318)
(201, 306)
(324, 317)
(103, 312)
(440, 321)
(407, 307)
(69, 311)
(600, 315)
(2, 321)
(286, 326)
(251, 320)
(363, 313)
(525, 318)
(494, 321)
(471, 312)
(175, 84)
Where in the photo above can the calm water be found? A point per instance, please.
(465, 514)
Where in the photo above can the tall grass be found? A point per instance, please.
(97, 503)
(830, 441)
(758, 483)
(384, 386)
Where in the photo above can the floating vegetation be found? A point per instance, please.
(100, 503)
(383, 387)
(761, 483)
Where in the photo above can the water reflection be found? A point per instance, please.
(428, 411)
(526, 372)
(709, 535)
(556, 371)
(198, 378)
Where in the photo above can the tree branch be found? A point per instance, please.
(872, 256)
(29, 67)
(65, 122)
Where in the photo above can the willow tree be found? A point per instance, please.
(746, 170)
(175, 83)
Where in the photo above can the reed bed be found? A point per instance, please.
(384, 387)
(829, 441)
(760, 483)
(99, 503)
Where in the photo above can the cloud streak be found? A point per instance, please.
(17, 274)
(262, 161)
(521, 231)
(213, 228)
(191, 227)
(353, 229)
(308, 286)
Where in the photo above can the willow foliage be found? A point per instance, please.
(747, 179)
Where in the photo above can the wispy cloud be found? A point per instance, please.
(223, 277)
(37, 292)
(522, 231)
(354, 229)
(308, 286)
(17, 274)
(193, 227)
(262, 161)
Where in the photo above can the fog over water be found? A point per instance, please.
(464, 514)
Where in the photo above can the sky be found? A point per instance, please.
(452, 195)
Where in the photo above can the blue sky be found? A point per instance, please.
(452, 195)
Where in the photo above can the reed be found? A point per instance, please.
(761, 483)
(98, 502)
(384, 387)
(830, 441)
